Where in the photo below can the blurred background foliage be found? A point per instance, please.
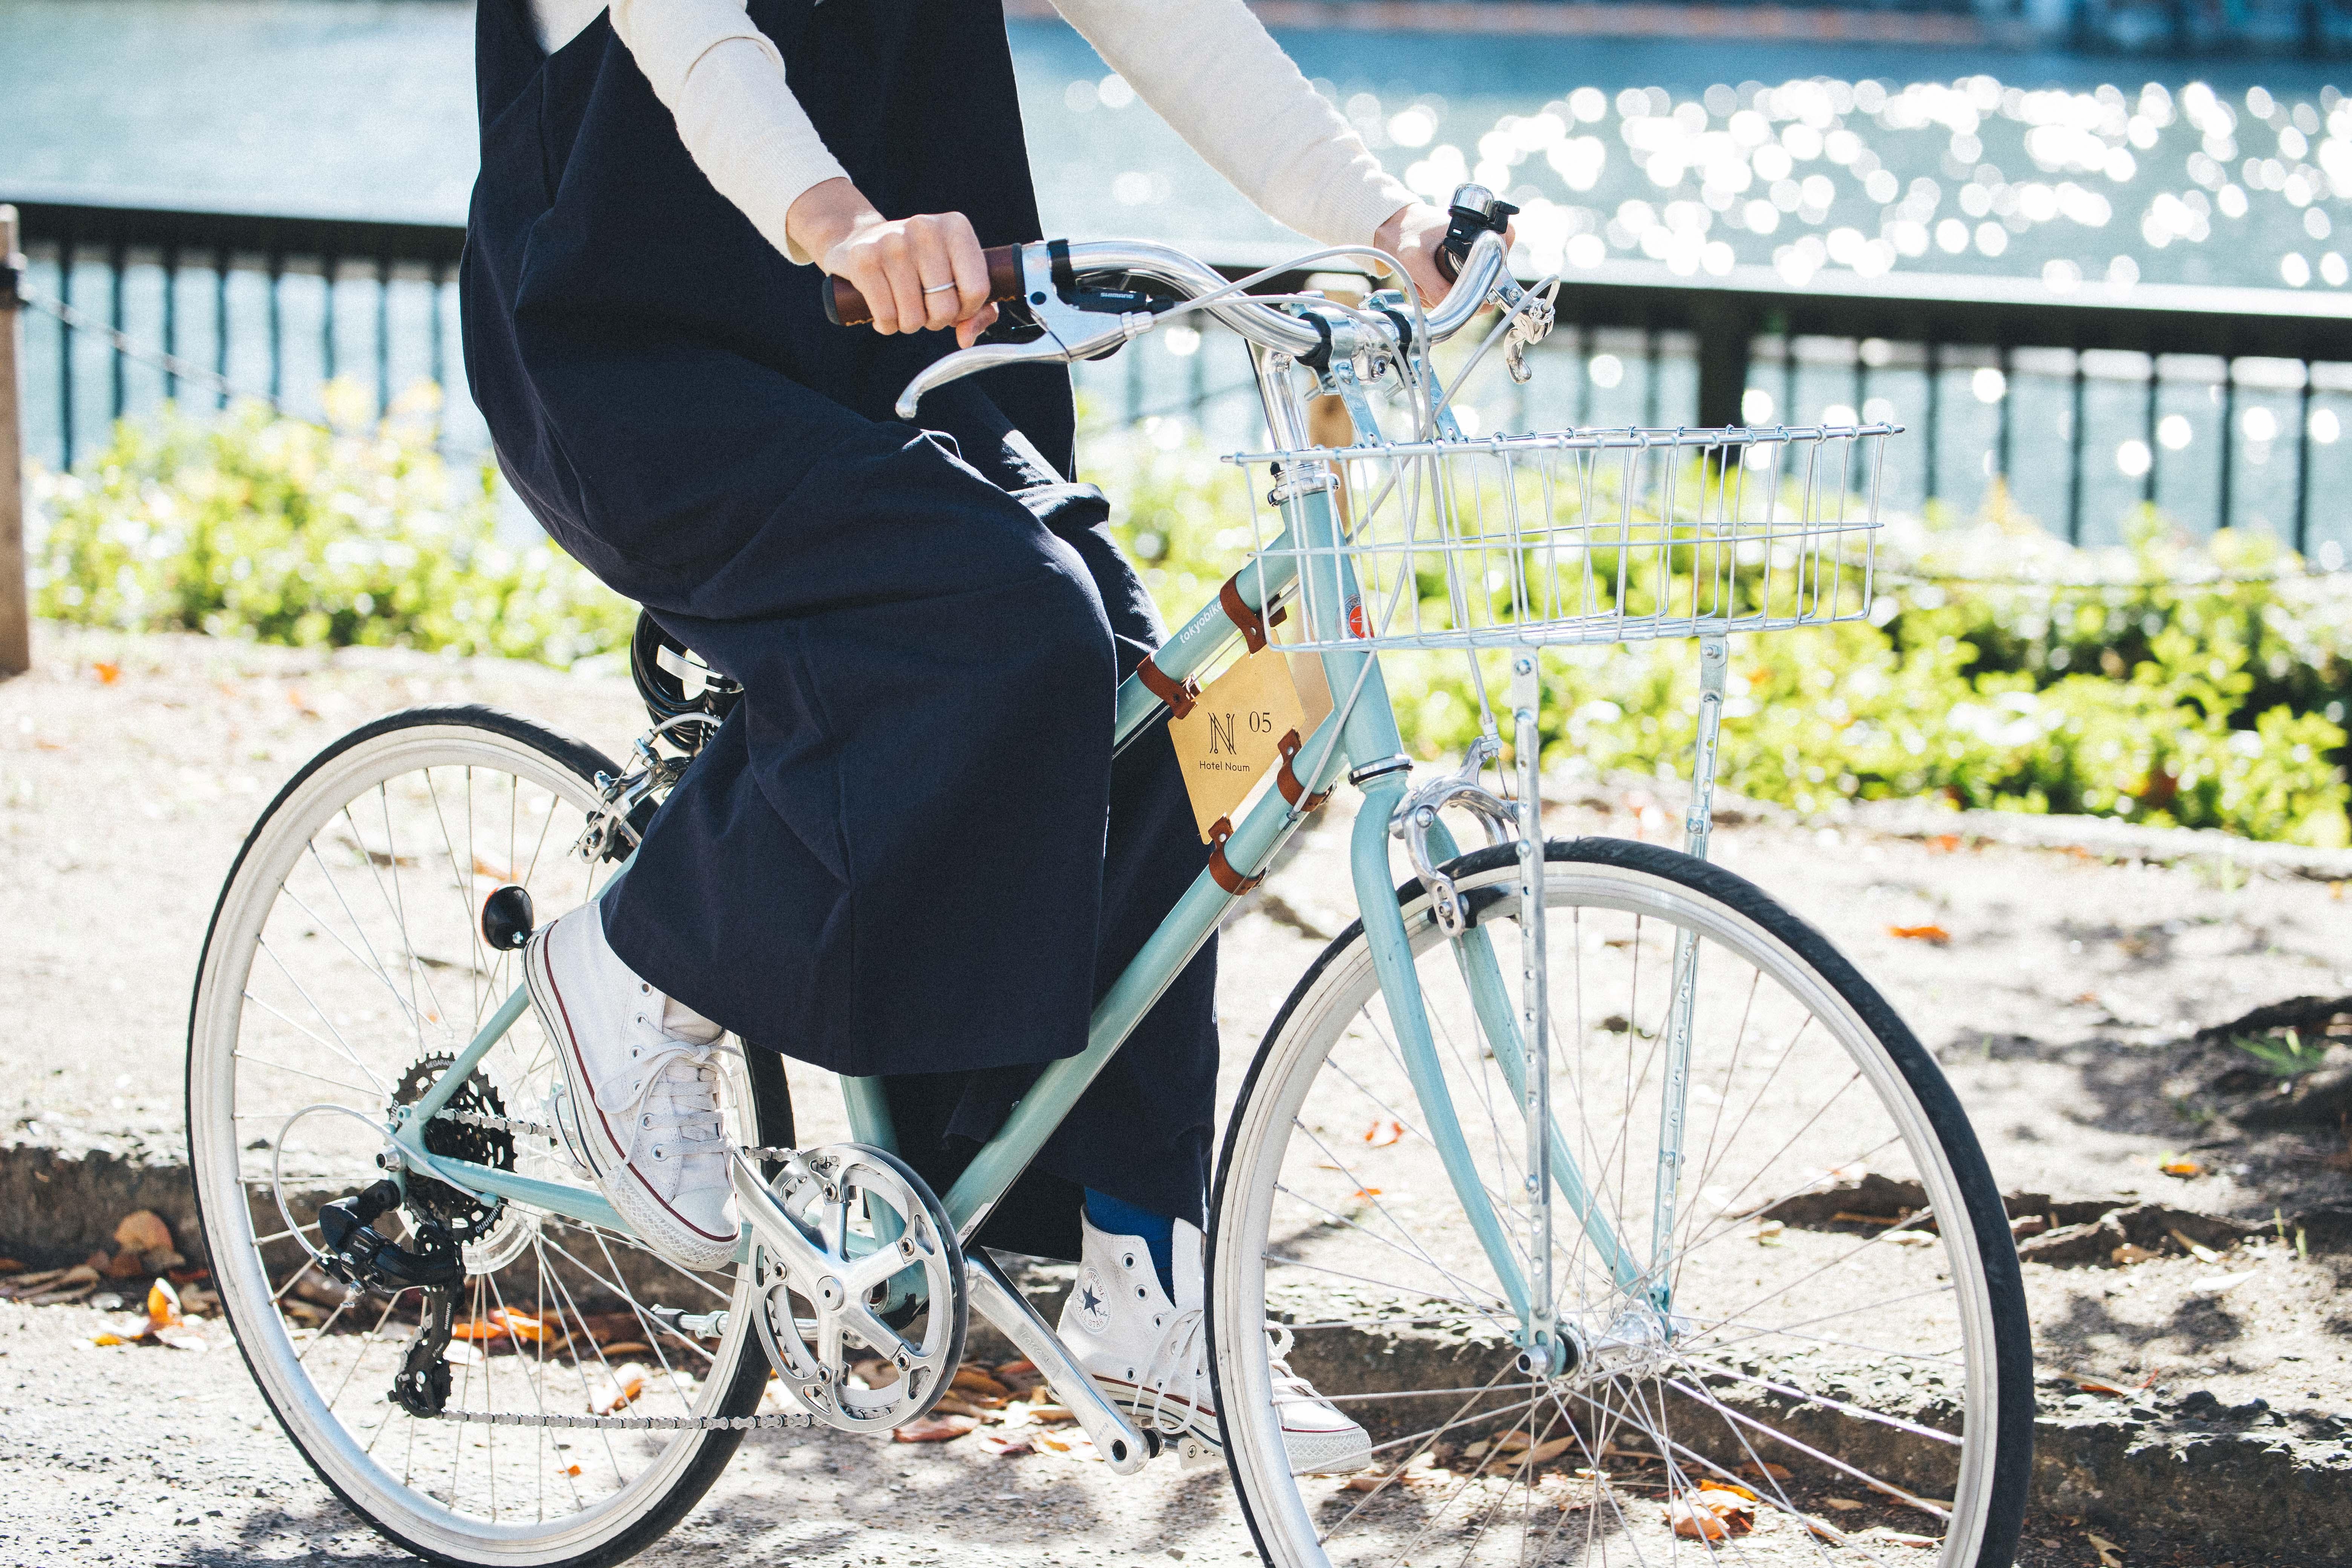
(2203, 684)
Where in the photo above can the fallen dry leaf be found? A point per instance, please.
(570, 1469)
(615, 1392)
(1934, 933)
(1944, 844)
(107, 1337)
(949, 1404)
(1824, 1528)
(2110, 1555)
(1051, 1415)
(1545, 1453)
(978, 1385)
(1843, 1504)
(1718, 1484)
(2129, 1254)
(1764, 1468)
(163, 1305)
(2202, 1254)
(1907, 1238)
(108, 674)
(11, 1266)
(180, 1336)
(933, 1429)
(1006, 1445)
(1384, 1132)
(1898, 1538)
(144, 1230)
(2214, 1284)
(627, 1347)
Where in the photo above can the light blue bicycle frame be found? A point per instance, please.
(1362, 735)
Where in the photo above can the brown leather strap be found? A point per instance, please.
(1178, 695)
(1219, 867)
(1292, 789)
(1251, 623)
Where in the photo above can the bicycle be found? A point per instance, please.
(1621, 1211)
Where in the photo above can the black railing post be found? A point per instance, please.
(1933, 422)
(439, 360)
(2008, 397)
(1583, 376)
(2154, 419)
(171, 323)
(16, 609)
(383, 336)
(220, 325)
(2302, 466)
(65, 353)
(2228, 437)
(116, 266)
(2075, 422)
(328, 264)
(1651, 356)
(277, 271)
(1725, 336)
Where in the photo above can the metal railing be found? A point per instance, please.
(2221, 406)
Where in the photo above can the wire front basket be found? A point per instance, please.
(1589, 536)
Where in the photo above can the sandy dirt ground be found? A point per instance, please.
(2064, 1003)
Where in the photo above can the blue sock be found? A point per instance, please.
(1120, 1217)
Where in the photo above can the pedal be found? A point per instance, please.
(834, 1237)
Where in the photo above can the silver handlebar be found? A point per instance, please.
(1073, 334)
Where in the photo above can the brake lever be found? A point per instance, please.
(1069, 331)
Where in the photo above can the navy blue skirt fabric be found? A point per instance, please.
(910, 852)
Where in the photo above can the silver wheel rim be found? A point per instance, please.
(559, 1518)
(1312, 1523)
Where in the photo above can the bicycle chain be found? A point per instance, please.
(515, 1125)
(798, 1422)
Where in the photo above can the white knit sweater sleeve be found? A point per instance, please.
(724, 81)
(1208, 67)
(1213, 73)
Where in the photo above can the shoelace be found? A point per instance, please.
(1182, 1343)
(679, 1092)
(1289, 1388)
(1180, 1351)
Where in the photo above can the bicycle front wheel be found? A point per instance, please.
(345, 968)
(1814, 1341)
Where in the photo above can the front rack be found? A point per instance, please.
(1587, 536)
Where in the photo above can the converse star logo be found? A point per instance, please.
(1094, 1300)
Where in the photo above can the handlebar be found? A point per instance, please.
(1079, 323)
(846, 306)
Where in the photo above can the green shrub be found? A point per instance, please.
(2198, 684)
(279, 530)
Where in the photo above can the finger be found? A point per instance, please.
(935, 258)
(968, 331)
(971, 265)
(898, 248)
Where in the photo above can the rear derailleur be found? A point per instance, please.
(365, 1260)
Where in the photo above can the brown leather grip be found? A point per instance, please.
(1222, 869)
(1293, 788)
(846, 306)
(1178, 695)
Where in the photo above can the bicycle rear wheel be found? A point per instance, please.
(345, 966)
(1844, 1334)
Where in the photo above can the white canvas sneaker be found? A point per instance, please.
(644, 1090)
(1150, 1356)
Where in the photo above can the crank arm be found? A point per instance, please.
(766, 1223)
(994, 1297)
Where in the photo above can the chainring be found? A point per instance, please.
(825, 1322)
(465, 1217)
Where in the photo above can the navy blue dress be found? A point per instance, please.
(910, 851)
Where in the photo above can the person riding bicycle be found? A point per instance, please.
(909, 852)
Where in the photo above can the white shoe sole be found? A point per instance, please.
(1312, 1451)
(647, 1214)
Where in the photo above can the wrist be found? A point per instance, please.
(824, 214)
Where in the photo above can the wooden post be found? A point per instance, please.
(15, 612)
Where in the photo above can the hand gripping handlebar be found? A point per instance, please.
(846, 306)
